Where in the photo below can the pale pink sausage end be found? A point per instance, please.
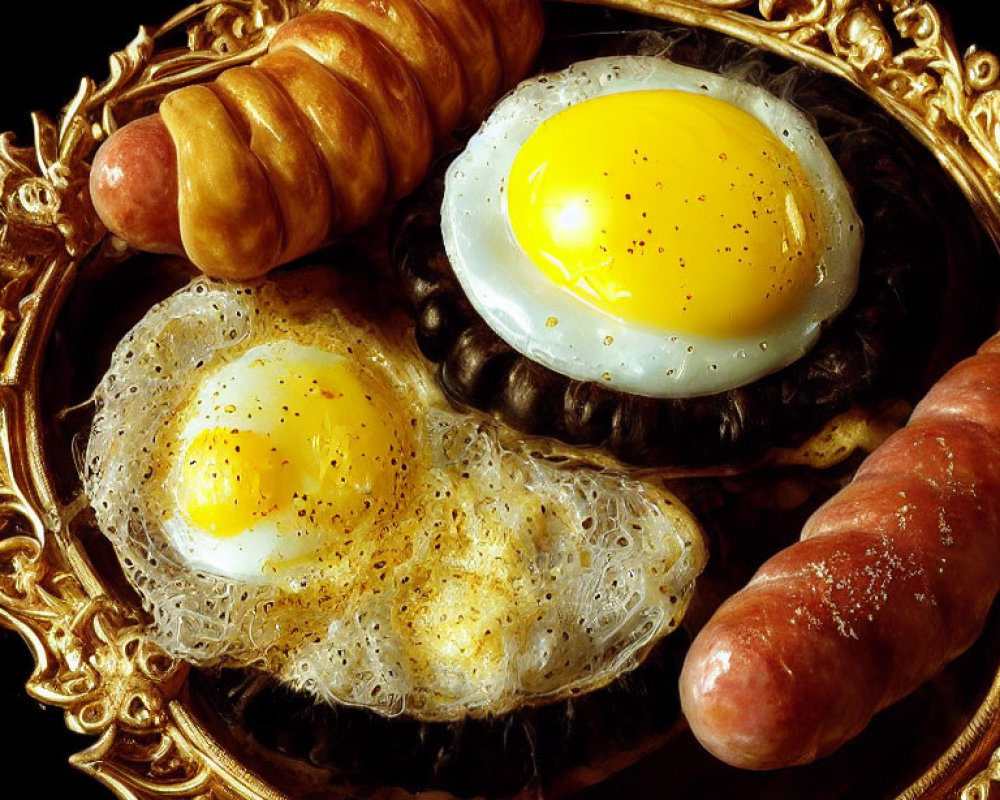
(133, 185)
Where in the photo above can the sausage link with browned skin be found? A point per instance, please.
(340, 116)
(893, 578)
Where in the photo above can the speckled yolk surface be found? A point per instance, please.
(668, 209)
(293, 438)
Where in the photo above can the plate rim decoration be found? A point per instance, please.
(91, 657)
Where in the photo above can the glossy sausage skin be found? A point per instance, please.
(893, 577)
(140, 165)
(340, 116)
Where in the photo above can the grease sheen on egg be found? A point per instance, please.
(664, 230)
(286, 488)
(283, 450)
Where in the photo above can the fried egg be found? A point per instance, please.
(287, 489)
(285, 449)
(667, 231)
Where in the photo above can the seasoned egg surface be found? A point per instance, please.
(661, 229)
(286, 489)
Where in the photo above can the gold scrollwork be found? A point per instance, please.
(93, 660)
(45, 202)
(152, 765)
(236, 27)
(982, 786)
(899, 51)
(861, 37)
(91, 656)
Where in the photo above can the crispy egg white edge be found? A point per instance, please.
(639, 359)
(209, 619)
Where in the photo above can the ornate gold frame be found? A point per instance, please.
(91, 657)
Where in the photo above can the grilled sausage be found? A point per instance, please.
(892, 578)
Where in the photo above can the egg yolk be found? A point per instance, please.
(316, 443)
(232, 478)
(668, 209)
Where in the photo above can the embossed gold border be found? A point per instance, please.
(91, 657)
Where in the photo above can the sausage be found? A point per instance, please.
(340, 116)
(892, 578)
(140, 166)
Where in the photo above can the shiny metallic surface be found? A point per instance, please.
(91, 657)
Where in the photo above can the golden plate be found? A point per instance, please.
(92, 658)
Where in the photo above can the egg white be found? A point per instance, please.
(558, 330)
(501, 578)
(220, 401)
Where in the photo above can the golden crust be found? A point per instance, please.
(519, 25)
(379, 78)
(341, 129)
(229, 222)
(902, 53)
(468, 26)
(279, 138)
(415, 35)
(362, 88)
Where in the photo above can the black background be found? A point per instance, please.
(42, 57)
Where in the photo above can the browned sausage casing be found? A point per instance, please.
(265, 163)
(893, 577)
